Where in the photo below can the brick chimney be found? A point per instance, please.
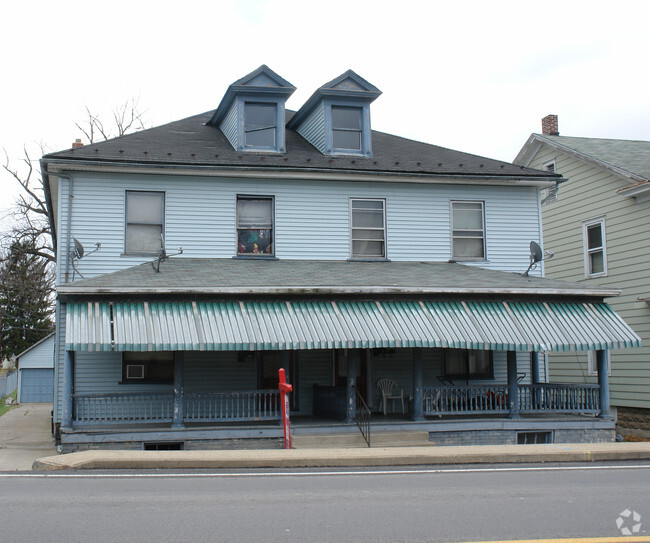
(549, 125)
(77, 143)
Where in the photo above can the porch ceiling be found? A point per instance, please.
(291, 325)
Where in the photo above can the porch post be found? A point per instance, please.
(534, 367)
(603, 381)
(418, 392)
(513, 392)
(351, 382)
(179, 363)
(68, 389)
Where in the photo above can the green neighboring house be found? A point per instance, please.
(597, 224)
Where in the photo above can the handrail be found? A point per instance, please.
(363, 416)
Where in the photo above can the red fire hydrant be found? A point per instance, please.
(285, 388)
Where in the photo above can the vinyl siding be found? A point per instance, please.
(310, 223)
(315, 368)
(229, 124)
(41, 356)
(313, 128)
(591, 193)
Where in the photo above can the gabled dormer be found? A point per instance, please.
(251, 113)
(336, 118)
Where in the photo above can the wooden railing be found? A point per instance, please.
(132, 407)
(249, 405)
(154, 407)
(467, 399)
(559, 398)
(487, 399)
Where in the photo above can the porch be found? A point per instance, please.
(264, 405)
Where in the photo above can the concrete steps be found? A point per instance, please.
(355, 440)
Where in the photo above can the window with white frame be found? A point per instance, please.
(592, 364)
(468, 230)
(594, 247)
(260, 125)
(255, 226)
(550, 194)
(346, 128)
(368, 232)
(145, 213)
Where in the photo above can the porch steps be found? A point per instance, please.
(355, 440)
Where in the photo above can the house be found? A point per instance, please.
(251, 238)
(36, 372)
(597, 222)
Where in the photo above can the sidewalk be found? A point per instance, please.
(25, 435)
(323, 458)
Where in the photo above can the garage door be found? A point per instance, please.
(36, 385)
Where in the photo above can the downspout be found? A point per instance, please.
(69, 226)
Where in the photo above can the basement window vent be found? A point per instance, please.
(163, 446)
(530, 438)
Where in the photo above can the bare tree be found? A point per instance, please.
(29, 220)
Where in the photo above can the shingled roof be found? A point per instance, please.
(211, 276)
(191, 142)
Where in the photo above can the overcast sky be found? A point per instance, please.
(476, 76)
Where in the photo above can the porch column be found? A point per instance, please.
(68, 390)
(179, 363)
(534, 367)
(418, 391)
(513, 392)
(351, 384)
(603, 382)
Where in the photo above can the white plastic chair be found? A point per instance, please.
(388, 389)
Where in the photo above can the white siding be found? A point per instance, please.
(41, 356)
(310, 223)
(229, 124)
(313, 128)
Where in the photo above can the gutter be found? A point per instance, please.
(71, 290)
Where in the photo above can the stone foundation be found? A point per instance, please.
(633, 421)
(510, 437)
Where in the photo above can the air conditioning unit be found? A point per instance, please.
(135, 371)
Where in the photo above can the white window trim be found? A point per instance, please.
(592, 365)
(451, 232)
(127, 224)
(585, 245)
(549, 194)
(273, 240)
(352, 256)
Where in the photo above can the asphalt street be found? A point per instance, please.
(429, 504)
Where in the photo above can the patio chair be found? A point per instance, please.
(388, 389)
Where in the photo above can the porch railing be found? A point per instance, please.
(250, 405)
(559, 398)
(154, 407)
(465, 399)
(132, 407)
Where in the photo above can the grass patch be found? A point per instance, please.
(4, 408)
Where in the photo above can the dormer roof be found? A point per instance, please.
(260, 82)
(348, 85)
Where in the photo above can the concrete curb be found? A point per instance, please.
(312, 458)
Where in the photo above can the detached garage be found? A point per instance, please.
(36, 372)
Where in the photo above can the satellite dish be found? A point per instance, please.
(78, 249)
(78, 253)
(536, 254)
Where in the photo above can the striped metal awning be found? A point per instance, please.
(290, 325)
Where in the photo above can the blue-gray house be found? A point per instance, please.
(383, 274)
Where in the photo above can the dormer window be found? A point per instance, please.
(346, 128)
(260, 125)
(336, 118)
(251, 113)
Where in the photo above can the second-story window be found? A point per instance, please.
(260, 125)
(594, 247)
(468, 230)
(346, 128)
(368, 233)
(145, 213)
(254, 225)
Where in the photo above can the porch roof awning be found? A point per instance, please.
(291, 325)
